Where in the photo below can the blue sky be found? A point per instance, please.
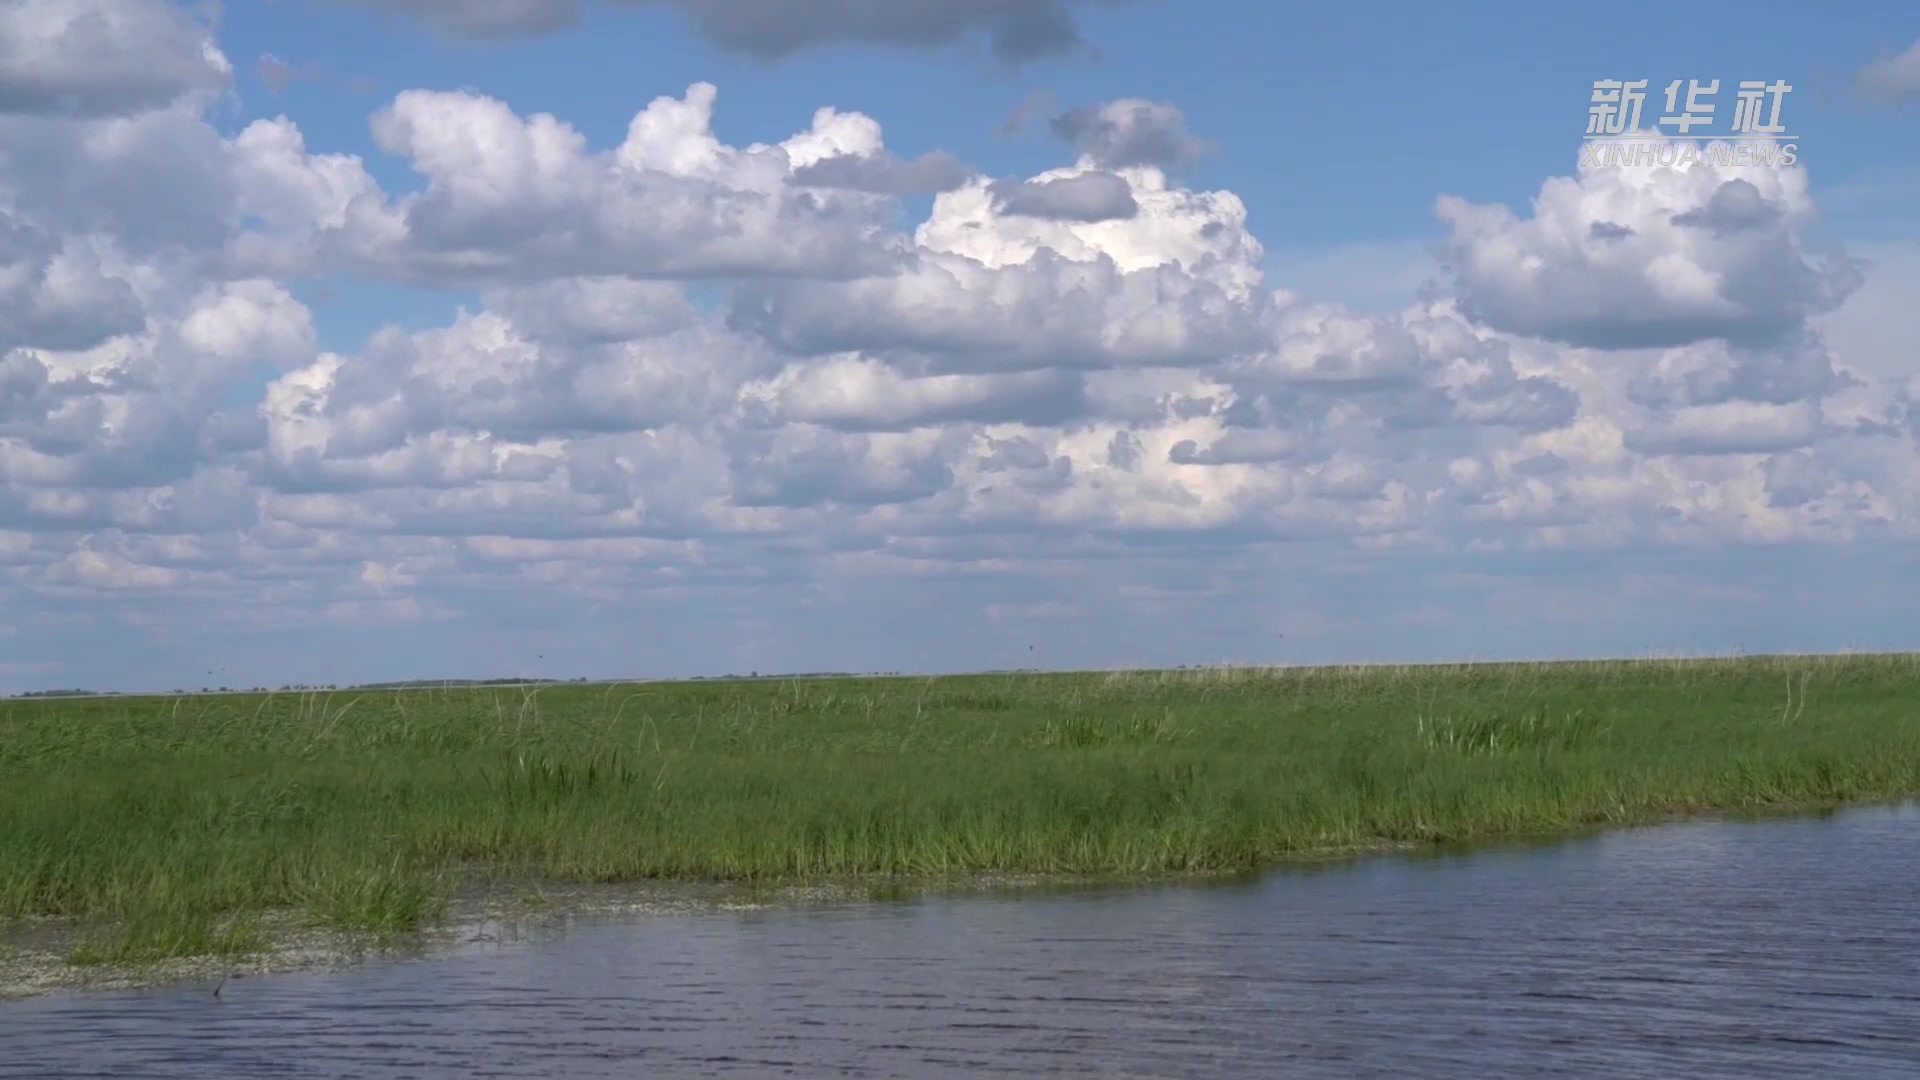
(425, 395)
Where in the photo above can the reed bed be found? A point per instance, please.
(176, 823)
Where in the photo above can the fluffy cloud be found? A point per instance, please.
(1022, 277)
(1648, 256)
(1015, 30)
(55, 293)
(104, 57)
(1131, 132)
(146, 409)
(511, 197)
(166, 195)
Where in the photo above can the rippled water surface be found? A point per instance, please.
(1709, 949)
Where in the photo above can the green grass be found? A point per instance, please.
(175, 823)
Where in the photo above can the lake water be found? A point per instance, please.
(1785, 948)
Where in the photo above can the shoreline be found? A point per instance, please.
(35, 958)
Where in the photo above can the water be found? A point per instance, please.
(1710, 949)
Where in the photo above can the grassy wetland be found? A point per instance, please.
(170, 827)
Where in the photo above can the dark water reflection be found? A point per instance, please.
(1709, 949)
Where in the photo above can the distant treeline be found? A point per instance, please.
(416, 684)
(423, 684)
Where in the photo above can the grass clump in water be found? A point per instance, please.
(382, 901)
(174, 824)
(162, 936)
